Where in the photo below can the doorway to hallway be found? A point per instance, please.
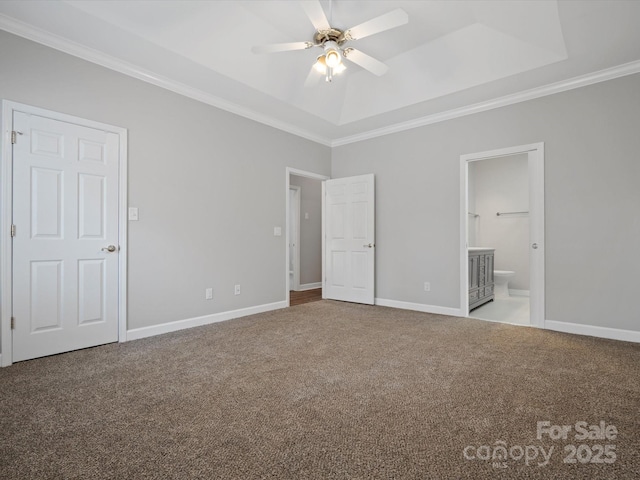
(304, 234)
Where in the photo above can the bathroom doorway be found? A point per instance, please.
(502, 222)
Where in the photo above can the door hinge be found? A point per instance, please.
(13, 230)
(13, 323)
(14, 136)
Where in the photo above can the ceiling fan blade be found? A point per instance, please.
(314, 11)
(393, 19)
(365, 61)
(282, 47)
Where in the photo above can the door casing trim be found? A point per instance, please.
(296, 256)
(6, 214)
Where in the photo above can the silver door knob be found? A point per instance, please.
(110, 248)
(534, 246)
(370, 245)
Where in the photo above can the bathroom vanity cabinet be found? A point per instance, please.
(480, 276)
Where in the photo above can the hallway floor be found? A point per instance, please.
(304, 296)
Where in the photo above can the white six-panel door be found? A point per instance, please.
(350, 239)
(65, 208)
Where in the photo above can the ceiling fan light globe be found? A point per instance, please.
(333, 58)
(339, 68)
(321, 64)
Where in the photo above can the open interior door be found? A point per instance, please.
(349, 239)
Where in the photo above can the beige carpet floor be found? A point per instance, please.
(326, 390)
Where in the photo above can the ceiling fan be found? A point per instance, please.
(332, 41)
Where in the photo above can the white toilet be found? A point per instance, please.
(501, 282)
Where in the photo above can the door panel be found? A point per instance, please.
(349, 239)
(91, 283)
(47, 143)
(46, 200)
(338, 268)
(360, 230)
(65, 208)
(360, 269)
(91, 202)
(337, 219)
(46, 295)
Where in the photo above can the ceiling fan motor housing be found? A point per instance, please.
(331, 34)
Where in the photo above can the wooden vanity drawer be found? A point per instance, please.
(473, 296)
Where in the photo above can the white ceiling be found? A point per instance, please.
(453, 57)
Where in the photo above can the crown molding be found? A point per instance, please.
(551, 89)
(57, 42)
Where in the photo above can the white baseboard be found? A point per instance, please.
(309, 286)
(144, 332)
(593, 331)
(419, 307)
(518, 293)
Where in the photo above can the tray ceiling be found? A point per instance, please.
(449, 56)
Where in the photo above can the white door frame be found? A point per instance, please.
(296, 255)
(301, 173)
(6, 215)
(535, 154)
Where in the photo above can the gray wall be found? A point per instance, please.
(209, 198)
(592, 193)
(310, 228)
(210, 185)
(502, 185)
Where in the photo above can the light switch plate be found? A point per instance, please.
(133, 213)
(277, 231)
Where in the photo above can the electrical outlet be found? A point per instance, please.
(208, 294)
(236, 290)
(427, 286)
